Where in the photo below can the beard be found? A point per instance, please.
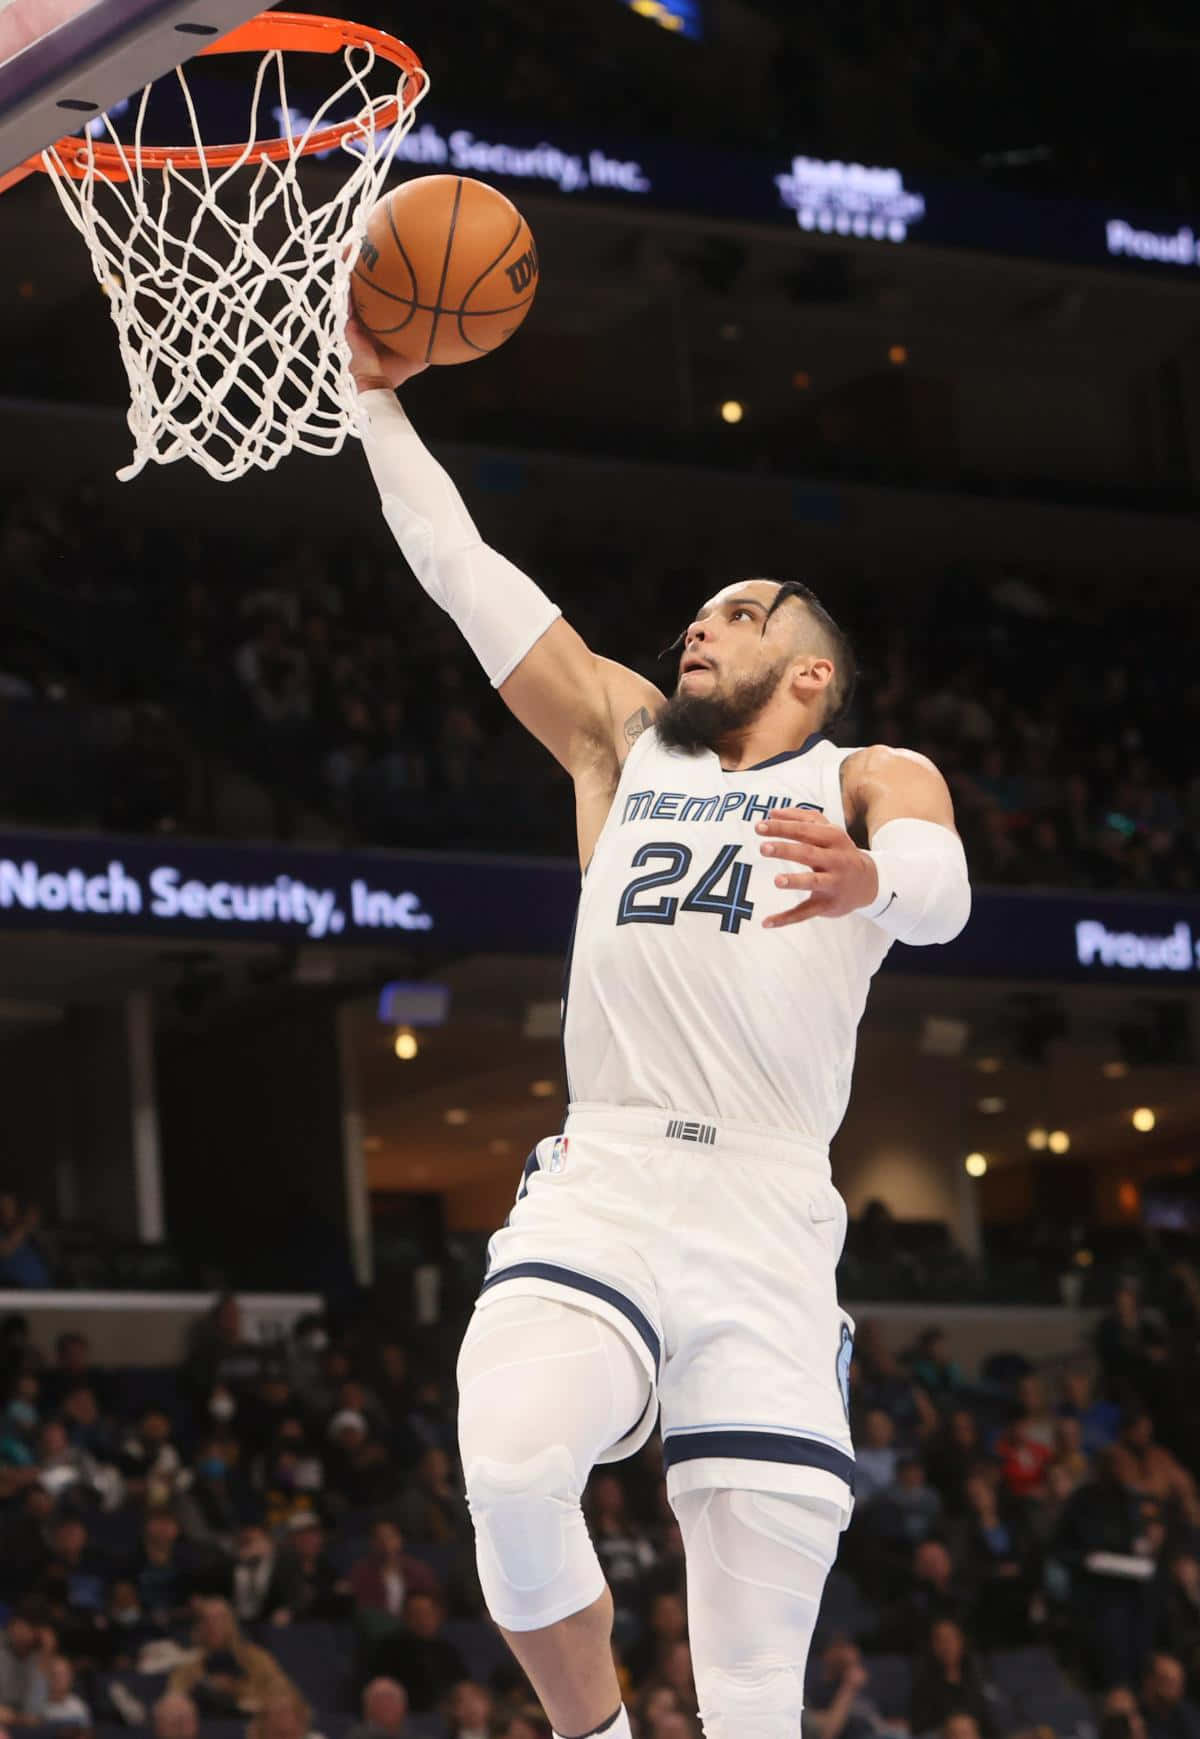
(693, 722)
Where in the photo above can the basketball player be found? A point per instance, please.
(676, 1243)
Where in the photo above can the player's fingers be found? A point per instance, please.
(799, 879)
(799, 850)
(798, 823)
(813, 907)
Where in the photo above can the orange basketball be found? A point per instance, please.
(448, 270)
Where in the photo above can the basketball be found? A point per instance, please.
(447, 271)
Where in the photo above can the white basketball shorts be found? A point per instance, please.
(713, 1249)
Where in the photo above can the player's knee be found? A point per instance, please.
(755, 1701)
(536, 1561)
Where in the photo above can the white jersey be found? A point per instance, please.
(676, 997)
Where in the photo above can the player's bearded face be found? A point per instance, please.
(695, 721)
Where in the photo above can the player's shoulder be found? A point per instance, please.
(868, 772)
(881, 760)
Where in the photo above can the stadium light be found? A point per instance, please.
(405, 1044)
(1143, 1120)
(732, 411)
(975, 1164)
(1058, 1141)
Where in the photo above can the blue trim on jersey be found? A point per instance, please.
(583, 1283)
(566, 993)
(787, 755)
(750, 1445)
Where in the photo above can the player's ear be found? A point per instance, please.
(810, 675)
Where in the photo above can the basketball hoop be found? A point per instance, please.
(228, 291)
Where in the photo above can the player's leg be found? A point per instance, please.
(544, 1389)
(756, 1568)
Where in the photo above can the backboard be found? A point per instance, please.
(63, 61)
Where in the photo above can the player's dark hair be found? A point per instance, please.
(845, 664)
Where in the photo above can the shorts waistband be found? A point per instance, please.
(683, 1130)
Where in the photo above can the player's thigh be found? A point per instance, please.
(533, 1371)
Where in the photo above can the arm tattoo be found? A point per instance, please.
(636, 723)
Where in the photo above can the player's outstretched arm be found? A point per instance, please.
(912, 881)
(576, 704)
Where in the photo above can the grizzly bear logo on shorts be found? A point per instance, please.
(845, 1353)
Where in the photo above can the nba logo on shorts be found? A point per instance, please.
(845, 1353)
(558, 1154)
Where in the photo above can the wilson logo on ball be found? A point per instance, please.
(370, 253)
(522, 272)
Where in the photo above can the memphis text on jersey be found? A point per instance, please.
(721, 806)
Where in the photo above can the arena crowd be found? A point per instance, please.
(332, 679)
(272, 1542)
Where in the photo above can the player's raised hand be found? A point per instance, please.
(836, 875)
(373, 366)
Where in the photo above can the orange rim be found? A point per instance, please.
(296, 31)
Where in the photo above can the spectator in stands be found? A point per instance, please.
(218, 1354)
(1168, 1711)
(22, 1265)
(676, 1671)
(932, 1367)
(227, 1675)
(213, 1508)
(1120, 1717)
(666, 1625)
(425, 1661)
(934, 1591)
(1181, 1615)
(1099, 1419)
(433, 1509)
(25, 1652)
(470, 1713)
(262, 1583)
(72, 1369)
(876, 1458)
(163, 1569)
(283, 1716)
(73, 1587)
(909, 1510)
(317, 1589)
(994, 1551)
(360, 1471)
(838, 1704)
(1130, 1345)
(128, 1626)
(382, 1581)
(1145, 1467)
(62, 1467)
(1109, 1551)
(148, 1460)
(292, 1474)
(1024, 1450)
(622, 1546)
(176, 1717)
(384, 1711)
(25, 1541)
(87, 1430)
(877, 1379)
(954, 1455)
(1070, 1458)
(947, 1681)
(63, 1708)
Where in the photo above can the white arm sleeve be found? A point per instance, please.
(924, 891)
(499, 610)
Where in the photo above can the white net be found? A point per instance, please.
(228, 289)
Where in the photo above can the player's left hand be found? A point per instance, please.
(838, 877)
